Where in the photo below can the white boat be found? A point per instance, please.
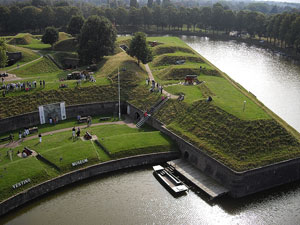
(169, 181)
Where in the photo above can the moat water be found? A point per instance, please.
(136, 197)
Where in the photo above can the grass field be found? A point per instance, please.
(136, 143)
(191, 93)
(62, 150)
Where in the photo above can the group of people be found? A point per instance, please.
(20, 86)
(75, 134)
(24, 133)
(53, 120)
(159, 88)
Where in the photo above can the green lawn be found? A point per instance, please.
(62, 150)
(16, 171)
(36, 44)
(191, 92)
(136, 143)
(232, 100)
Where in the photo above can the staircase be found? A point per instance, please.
(154, 108)
(142, 121)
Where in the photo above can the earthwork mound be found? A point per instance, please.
(171, 59)
(173, 73)
(25, 39)
(162, 49)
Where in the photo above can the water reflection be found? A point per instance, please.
(275, 82)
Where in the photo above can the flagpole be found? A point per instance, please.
(119, 95)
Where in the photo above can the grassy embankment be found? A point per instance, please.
(241, 139)
(60, 149)
(104, 89)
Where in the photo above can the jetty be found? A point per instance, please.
(198, 178)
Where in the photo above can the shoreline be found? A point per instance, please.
(288, 54)
(81, 174)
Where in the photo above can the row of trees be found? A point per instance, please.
(283, 28)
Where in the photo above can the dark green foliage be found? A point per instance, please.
(239, 144)
(138, 48)
(50, 36)
(96, 40)
(75, 25)
(3, 56)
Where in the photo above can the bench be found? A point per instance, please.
(33, 130)
(104, 118)
(82, 120)
(9, 138)
(87, 136)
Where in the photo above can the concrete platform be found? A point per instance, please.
(198, 178)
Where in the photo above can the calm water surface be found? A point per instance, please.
(135, 196)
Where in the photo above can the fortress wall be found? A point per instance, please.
(239, 184)
(33, 119)
(81, 174)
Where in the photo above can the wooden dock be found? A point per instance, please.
(198, 178)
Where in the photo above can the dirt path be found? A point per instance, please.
(12, 77)
(152, 78)
(17, 143)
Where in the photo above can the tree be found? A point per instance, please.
(134, 3)
(121, 15)
(47, 16)
(139, 49)
(97, 39)
(147, 16)
(50, 36)
(31, 16)
(3, 56)
(4, 15)
(75, 25)
(150, 3)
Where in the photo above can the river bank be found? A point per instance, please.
(286, 53)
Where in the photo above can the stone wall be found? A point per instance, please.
(239, 184)
(33, 119)
(82, 174)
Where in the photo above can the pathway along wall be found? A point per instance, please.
(239, 184)
(33, 119)
(82, 174)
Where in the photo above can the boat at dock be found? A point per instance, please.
(174, 185)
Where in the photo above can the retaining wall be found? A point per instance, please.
(33, 119)
(239, 184)
(82, 174)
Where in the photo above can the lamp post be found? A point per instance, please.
(244, 106)
(119, 94)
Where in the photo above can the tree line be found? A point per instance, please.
(282, 29)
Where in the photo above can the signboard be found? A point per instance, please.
(80, 162)
(22, 183)
(52, 113)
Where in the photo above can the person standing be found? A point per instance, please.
(40, 138)
(73, 133)
(78, 133)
